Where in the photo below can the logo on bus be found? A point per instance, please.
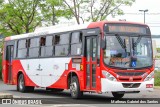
(131, 79)
(55, 67)
(134, 64)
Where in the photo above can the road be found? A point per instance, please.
(88, 100)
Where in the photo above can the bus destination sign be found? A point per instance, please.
(128, 29)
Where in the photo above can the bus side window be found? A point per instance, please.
(42, 41)
(34, 47)
(76, 43)
(42, 46)
(27, 46)
(57, 39)
(49, 46)
(62, 44)
(22, 49)
(28, 43)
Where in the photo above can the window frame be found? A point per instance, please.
(47, 35)
(81, 34)
(68, 54)
(53, 45)
(21, 48)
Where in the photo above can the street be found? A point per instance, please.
(61, 98)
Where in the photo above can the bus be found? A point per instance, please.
(99, 57)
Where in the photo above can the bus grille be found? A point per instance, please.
(130, 73)
(131, 85)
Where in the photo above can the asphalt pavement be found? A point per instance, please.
(63, 98)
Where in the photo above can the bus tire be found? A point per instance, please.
(21, 85)
(117, 95)
(75, 88)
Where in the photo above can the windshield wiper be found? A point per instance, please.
(137, 41)
(120, 41)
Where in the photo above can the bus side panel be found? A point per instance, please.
(62, 82)
(4, 71)
(98, 79)
(4, 67)
(17, 67)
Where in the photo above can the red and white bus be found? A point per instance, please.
(98, 57)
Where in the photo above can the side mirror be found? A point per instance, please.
(103, 44)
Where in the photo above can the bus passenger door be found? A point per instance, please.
(9, 57)
(91, 61)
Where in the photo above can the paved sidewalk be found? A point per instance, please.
(5, 95)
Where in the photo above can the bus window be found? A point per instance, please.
(27, 43)
(57, 39)
(22, 49)
(76, 43)
(49, 46)
(42, 41)
(76, 37)
(34, 47)
(42, 46)
(62, 44)
(49, 40)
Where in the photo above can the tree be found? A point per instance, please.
(52, 10)
(76, 7)
(95, 10)
(19, 16)
(1, 1)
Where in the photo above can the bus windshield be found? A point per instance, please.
(128, 51)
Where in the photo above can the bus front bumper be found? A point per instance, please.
(113, 86)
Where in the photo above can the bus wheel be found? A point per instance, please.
(75, 88)
(117, 94)
(21, 85)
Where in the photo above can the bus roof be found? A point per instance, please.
(57, 29)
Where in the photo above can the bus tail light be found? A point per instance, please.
(149, 77)
(108, 76)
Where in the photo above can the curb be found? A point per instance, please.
(6, 95)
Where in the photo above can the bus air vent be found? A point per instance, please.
(130, 73)
(131, 85)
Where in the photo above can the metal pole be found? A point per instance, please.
(144, 11)
(144, 16)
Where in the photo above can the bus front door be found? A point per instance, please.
(91, 61)
(9, 57)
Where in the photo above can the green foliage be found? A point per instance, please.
(158, 50)
(157, 78)
(1, 47)
(0, 66)
(52, 10)
(1, 1)
(157, 57)
(23, 16)
(19, 16)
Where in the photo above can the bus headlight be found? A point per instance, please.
(149, 77)
(108, 76)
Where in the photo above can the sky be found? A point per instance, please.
(152, 16)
